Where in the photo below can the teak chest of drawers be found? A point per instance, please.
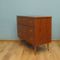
(36, 30)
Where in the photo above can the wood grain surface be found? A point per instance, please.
(17, 51)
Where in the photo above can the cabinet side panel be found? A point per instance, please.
(45, 30)
(37, 34)
(42, 30)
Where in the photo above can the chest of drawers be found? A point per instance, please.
(35, 30)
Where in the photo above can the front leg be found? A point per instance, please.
(48, 46)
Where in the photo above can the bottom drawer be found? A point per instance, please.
(30, 39)
(23, 35)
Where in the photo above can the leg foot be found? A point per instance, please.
(48, 47)
(35, 50)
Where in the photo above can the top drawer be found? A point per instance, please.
(25, 21)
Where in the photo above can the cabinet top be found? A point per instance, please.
(36, 16)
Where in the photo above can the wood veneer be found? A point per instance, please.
(36, 30)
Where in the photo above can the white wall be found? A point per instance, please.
(9, 9)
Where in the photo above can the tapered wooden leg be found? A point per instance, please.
(48, 47)
(35, 50)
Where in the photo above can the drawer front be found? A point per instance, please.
(25, 21)
(21, 28)
(28, 29)
(30, 35)
(30, 22)
(23, 35)
(22, 21)
(26, 33)
(23, 32)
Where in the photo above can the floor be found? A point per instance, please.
(17, 51)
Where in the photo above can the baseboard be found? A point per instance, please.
(9, 40)
(19, 40)
(58, 41)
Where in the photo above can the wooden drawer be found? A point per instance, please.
(30, 35)
(25, 21)
(22, 28)
(27, 34)
(22, 21)
(25, 28)
(30, 22)
(23, 35)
